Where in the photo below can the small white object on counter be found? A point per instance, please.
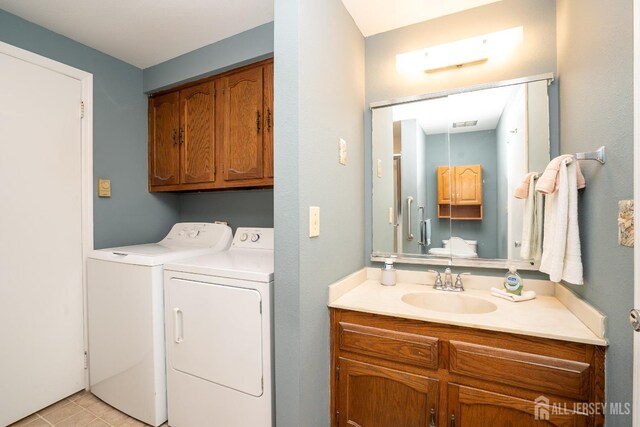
(388, 275)
(501, 293)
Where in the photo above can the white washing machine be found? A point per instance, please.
(126, 317)
(219, 335)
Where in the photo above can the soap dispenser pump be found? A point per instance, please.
(388, 277)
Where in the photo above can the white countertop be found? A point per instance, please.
(555, 313)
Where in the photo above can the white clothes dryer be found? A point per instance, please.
(219, 335)
(126, 317)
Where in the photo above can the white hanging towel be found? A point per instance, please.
(532, 222)
(561, 255)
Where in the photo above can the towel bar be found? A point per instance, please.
(598, 155)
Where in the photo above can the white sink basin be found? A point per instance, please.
(449, 302)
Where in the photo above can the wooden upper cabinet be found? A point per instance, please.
(269, 118)
(197, 134)
(243, 124)
(460, 192)
(164, 152)
(468, 185)
(444, 185)
(213, 134)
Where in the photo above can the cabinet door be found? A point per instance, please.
(197, 134)
(472, 407)
(268, 127)
(164, 153)
(444, 185)
(468, 185)
(373, 396)
(243, 125)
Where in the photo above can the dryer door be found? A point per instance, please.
(214, 332)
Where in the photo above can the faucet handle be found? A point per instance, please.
(438, 283)
(458, 286)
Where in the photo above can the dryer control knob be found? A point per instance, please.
(244, 237)
(255, 237)
(194, 233)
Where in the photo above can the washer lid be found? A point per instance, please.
(244, 264)
(149, 254)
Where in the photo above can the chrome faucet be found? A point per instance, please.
(458, 286)
(447, 284)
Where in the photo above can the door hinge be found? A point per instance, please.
(337, 372)
(86, 360)
(82, 109)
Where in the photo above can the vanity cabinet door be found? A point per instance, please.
(374, 396)
(472, 407)
(444, 185)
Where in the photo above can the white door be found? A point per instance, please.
(41, 229)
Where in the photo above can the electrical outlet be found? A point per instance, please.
(314, 221)
(343, 151)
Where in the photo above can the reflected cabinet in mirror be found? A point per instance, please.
(445, 169)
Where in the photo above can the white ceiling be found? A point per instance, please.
(148, 32)
(378, 16)
(437, 116)
(144, 32)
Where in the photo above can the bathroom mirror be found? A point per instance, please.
(445, 168)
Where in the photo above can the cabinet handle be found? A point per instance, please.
(269, 119)
(174, 137)
(257, 121)
(181, 136)
(453, 420)
(433, 418)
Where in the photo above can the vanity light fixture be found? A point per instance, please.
(474, 50)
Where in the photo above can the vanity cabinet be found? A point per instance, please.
(460, 192)
(392, 371)
(216, 133)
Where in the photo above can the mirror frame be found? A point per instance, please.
(461, 262)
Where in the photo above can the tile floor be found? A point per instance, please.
(81, 409)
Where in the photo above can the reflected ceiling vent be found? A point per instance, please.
(465, 124)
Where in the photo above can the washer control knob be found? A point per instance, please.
(194, 233)
(244, 237)
(255, 237)
(181, 233)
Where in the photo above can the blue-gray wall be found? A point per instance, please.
(319, 96)
(469, 148)
(240, 208)
(131, 215)
(595, 72)
(537, 55)
(244, 48)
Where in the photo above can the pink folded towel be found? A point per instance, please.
(522, 191)
(548, 181)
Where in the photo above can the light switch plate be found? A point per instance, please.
(343, 152)
(314, 221)
(104, 187)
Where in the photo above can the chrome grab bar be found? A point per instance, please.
(409, 233)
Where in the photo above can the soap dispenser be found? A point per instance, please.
(388, 277)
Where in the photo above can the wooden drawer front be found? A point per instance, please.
(399, 347)
(531, 371)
